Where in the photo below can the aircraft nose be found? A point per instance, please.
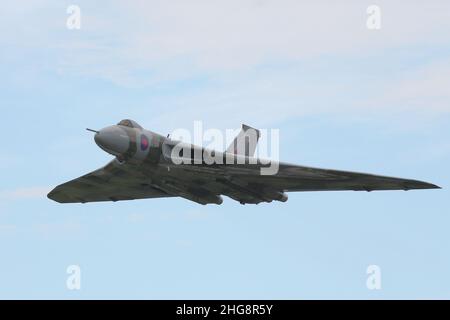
(113, 140)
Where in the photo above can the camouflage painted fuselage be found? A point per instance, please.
(147, 166)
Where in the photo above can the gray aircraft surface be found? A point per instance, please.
(146, 166)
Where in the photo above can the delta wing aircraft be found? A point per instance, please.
(147, 165)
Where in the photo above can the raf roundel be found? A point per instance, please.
(144, 143)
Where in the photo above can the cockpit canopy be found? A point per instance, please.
(129, 123)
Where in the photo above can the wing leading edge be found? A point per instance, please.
(299, 178)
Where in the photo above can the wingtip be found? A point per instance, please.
(55, 195)
(426, 185)
(416, 184)
(51, 195)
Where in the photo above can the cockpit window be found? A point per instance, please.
(129, 123)
(126, 123)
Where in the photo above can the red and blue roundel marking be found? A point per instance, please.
(144, 143)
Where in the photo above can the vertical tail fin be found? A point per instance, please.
(245, 142)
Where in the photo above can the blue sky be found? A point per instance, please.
(342, 97)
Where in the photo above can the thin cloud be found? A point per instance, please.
(25, 193)
(143, 42)
(427, 87)
(156, 43)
